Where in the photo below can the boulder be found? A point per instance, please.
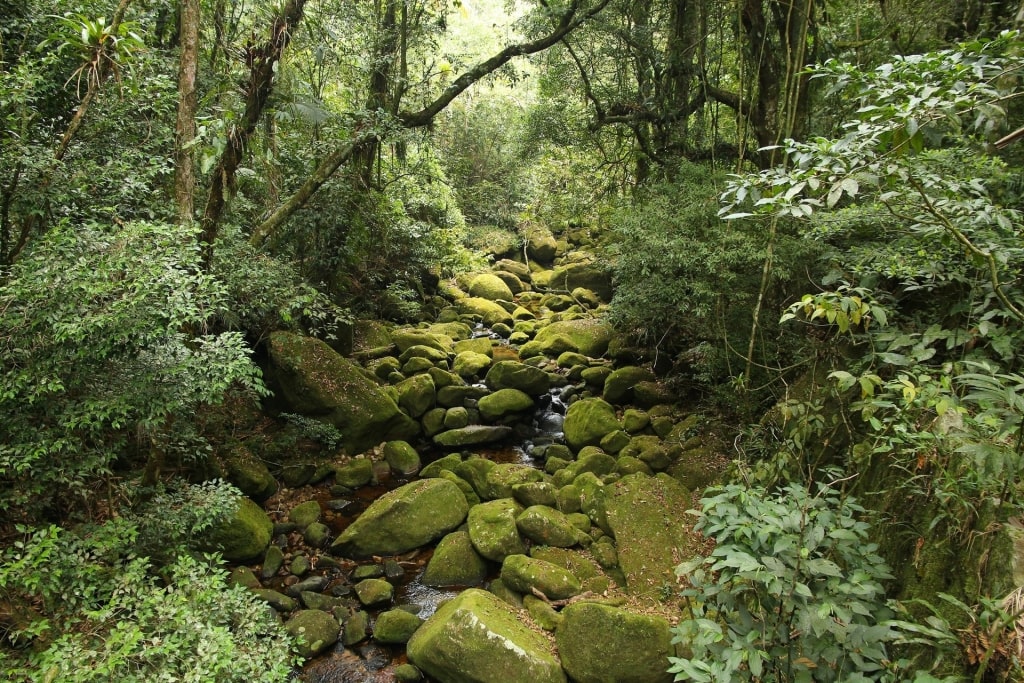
(540, 243)
(314, 630)
(501, 479)
(618, 387)
(401, 457)
(244, 536)
(470, 363)
(355, 473)
(430, 353)
(305, 514)
(547, 526)
(504, 402)
(510, 374)
(455, 562)
(457, 395)
(404, 519)
(316, 381)
(455, 418)
(476, 345)
(604, 644)
(653, 533)
(493, 531)
(472, 435)
(477, 637)
(520, 270)
(488, 311)
(593, 276)
(535, 493)
(530, 576)
(588, 421)
(406, 338)
(588, 336)
(491, 287)
(395, 626)
(416, 395)
(374, 591)
(250, 475)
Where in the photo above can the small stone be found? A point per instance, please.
(280, 602)
(357, 627)
(316, 535)
(395, 626)
(299, 566)
(272, 562)
(314, 630)
(367, 571)
(243, 576)
(374, 591)
(305, 514)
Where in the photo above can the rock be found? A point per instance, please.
(527, 575)
(244, 536)
(433, 421)
(357, 627)
(588, 421)
(243, 576)
(481, 345)
(250, 475)
(455, 562)
(316, 381)
(430, 353)
(512, 281)
(395, 626)
(618, 387)
(586, 297)
(374, 591)
(650, 394)
(493, 531)
(504, 402)
(489, 312)
(326, 603)
(279, 601)
(520, 270)
(272, 562)
(434, 469)
(540, 243)
(647, 517)
(383, 367)
(371, 334)
(639, 645)
(542, 613)
(407, 673)
(470, 364)
(355, 473)
(596, 376)
(589, 336)
(299, 566)
(571, 359)
(503, 477)
(593, 276)
(314, 631)
(406, 338)
(305, 514)
(477, 637)
(474, 470)
(535, 493)
(547, 526)
(634, 420)
(457, 395)
(453, 328)
(472, 435)
(404, 519)
(614, 442)
(416, 395)
(491, 287)
(456, 418)
(401, 457)
(510, 374)
(316, 535)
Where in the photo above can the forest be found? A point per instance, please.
(511, 340)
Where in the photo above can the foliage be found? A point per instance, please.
(100, 48)
(792, 591)
(105, 340)
(322, 432)
(94, 609)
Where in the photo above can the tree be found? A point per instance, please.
(185, 126)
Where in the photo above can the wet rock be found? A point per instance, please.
(355, 473)
(493, 531)
(472, 435)
(357, 628)
(529, 575)
(401, 457)
(395, 626)
(314, 631)
(367, 571)
(272, 562)
(455, 562)
(374, 591)
(407, 673)
(242, 537)
(510, 374)
(477, 637)
(404, 519)
(448, 462)
(315, 584)
(600, 643)
(504, 402)
(457, 395)
(319, 601)
(243, 576)
(588, 421)
(480, 345)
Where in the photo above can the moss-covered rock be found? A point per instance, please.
(355, 473)
(407, 338)
(481, 345)
(501, 479)
(434, 469)
(589, 336)
(250, 475)
(455, 562)
(493, 531)
(279, 601)
(314, 631)
(406, 518)
(477, 637)
(316, 381)
(416, 395)
(356, 627)
(244, 536)
(395, 626)
(401, 457)
(488, 311)
(650, 394)
(509, 374)
(547, 526)
(618, 387)
(374, 591)
(604, 644)
(491, 287)
(593, 276)
(456, 418)
(504, 402)
(305, 514)
(472, 435)
(529, 576)
(540, 243)
(535, 493)
(457, 395)
(470, 364)
(455, 329)
(653, 533)
(542, 613)
(588, 421)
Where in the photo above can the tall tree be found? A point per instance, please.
(185, 127)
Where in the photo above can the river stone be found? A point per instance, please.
(374, 591)
(472, 498)
(420, 351)
(535, 493)
(434, 469)
(406, 338)
(401, 457)
(244, 536)
(250, 475)
(316, 535)
(592, 499)
(456, 396)
(383, 367)
(493, 531)
(526, 575)
(650, 394)
(476, 637)
(512, 281)
(416, 395)
(639, 645)
(357, 627)
(316, 381)
(472, 435)
(596, 376)
(589, 336)
(279, 601)
(547, 526)
(272, 562)
(635, 420)
(509, 374)
(501, 478)
(504, 402)
(456, 418)
(588, 421)
(433, 421)
(452, 328)
(314, 630)
(371, 334)
(470, 363)
(593, 276)
(404, 519)
(395, 626)
(489, 312)
(653, 533)
(481, 345)
(455, 562)
(650, 449)
(520, 270)
(474, 470)
(627, 464)
(355, 473)
(613, 442)
(413, 366)
(540, 243)
(618, 387)
(244, 576)
(491, 287)
(305, 514)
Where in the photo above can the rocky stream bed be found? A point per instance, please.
(509, 504)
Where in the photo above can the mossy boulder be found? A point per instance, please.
(491, 287)
(430, 353)
(401, 457)
(593, 276)
(472, 435)
(455, 329)
(535, 493)
(618, 387)
(416, 395)
(407, 338)
(501, 479)
(244, 536)
(492, 529)
(605, 644)
(404, 519)
(316, 381)
(470, 364)
(314, 631)
(355, 473)
(457, 395)
(488, 311)
(374, 591)
(481, 345)
(455, 562)
(650, 394)
(653, 533)
(547, 526)
(589, 336)
(304, 514)
(504, 402)
(250, 475)
(529, 576)
(477, 637)
(510, 374)
(395, 626)
(540, 243)
(588, 421)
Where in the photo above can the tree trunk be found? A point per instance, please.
(185, 126)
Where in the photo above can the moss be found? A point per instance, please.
(589, 336)
(245, 535)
